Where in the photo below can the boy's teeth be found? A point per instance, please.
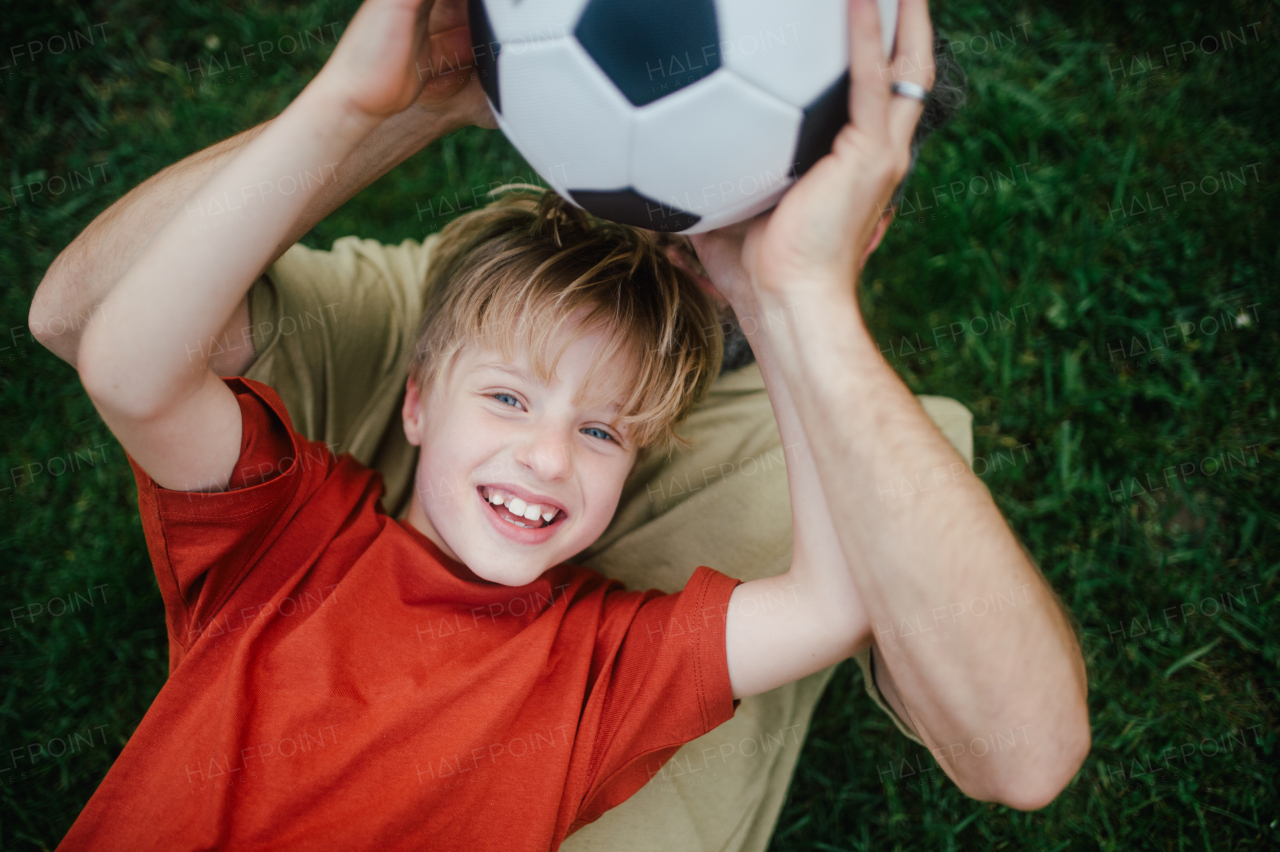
(519, 508)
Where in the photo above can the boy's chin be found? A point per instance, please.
(505, 563)
(508, 573)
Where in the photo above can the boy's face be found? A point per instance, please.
(495, 439)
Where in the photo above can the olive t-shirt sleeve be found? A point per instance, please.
(334, 333)
(873, 691)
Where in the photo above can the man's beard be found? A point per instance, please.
(737, 352)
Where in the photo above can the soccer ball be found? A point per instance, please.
(671, 115)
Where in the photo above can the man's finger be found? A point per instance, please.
(914, 62)
(448, 14)
(869, 69)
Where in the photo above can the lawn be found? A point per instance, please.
(1083, 259)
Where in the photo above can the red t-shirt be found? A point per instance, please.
(337, 682)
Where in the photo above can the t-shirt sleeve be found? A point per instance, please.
(334, 332)
(203, 543)
(668, 684)
(872, 689)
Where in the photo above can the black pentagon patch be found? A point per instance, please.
(631, 208)
(485, 47)
(822, 121)
(651, 48)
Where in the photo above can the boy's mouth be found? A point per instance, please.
(518, 512)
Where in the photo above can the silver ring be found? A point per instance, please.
(909, 90)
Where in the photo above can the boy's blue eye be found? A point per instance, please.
(593, 431)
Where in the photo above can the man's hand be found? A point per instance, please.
(819, 235)
(396, 52)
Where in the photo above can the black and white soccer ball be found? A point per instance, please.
(671, 115)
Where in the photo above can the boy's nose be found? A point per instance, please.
(546, 454)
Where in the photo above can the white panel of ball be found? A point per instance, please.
(521, 23)
(575, 124)
(719, 143)
(739, 212)
(792, 55)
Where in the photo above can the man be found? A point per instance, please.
(318, 321)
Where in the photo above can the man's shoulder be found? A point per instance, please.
(354, 258)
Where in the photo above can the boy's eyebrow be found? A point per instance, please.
(507, 368)
(614, 407)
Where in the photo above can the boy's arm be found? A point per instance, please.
(173, 414)
(913, 559)
(73, 289)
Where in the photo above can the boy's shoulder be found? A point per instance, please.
(271, 448)
(286, 498)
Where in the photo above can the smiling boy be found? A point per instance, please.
(557, 349)
(302, 691)
(332, 725)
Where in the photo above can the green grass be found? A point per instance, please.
(1071, 425)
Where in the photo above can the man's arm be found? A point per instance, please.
(71, 294)
(912, 559)
(177, 418)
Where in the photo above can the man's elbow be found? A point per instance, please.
(1037, 782)
(39, 317)
(48, 321)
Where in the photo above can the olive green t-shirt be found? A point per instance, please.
(334, 331)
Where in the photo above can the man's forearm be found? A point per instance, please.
(243, 217)
(928, 550)
(84, 273)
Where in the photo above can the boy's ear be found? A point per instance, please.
(412, 412)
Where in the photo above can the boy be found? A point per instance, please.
(297, 609)
(186, 426)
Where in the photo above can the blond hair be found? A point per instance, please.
(517, 270)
